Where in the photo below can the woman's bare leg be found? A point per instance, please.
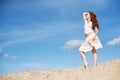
(95, 57)
(84, 58)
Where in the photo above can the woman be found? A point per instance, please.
(92, 42)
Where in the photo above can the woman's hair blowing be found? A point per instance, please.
(94, 20)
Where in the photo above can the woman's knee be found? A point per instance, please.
(81, 52)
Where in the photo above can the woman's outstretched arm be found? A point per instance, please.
(84, 16)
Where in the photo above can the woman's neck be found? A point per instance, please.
(88, 21)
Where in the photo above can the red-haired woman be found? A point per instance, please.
(92, 42)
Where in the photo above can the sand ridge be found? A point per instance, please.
(105, 71)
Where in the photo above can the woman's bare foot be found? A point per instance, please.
(87, 65)
(95, 65)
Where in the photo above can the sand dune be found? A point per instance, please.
(105, 71)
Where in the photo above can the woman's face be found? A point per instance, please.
(87, 16)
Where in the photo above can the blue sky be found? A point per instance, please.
(46, 34)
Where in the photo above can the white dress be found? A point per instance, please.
(88, 44)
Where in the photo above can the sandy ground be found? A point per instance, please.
(105, 71)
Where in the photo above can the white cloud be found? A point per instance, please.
(40, 31)
(6, 55)
(114, 42)
(72, 44)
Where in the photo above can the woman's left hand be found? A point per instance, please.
(94, 37)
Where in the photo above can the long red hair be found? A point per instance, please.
(94, 20)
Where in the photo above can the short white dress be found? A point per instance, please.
(88, 44)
